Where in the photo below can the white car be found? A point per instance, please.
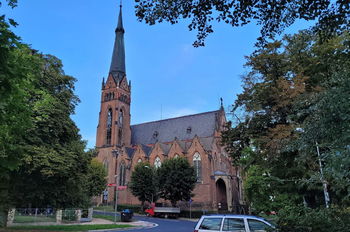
(233, 223)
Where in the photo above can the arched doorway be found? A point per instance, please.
(221, 196)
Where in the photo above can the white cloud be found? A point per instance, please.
(178, 112)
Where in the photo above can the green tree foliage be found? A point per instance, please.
(176, 179)
(42, 158)
(295, 96)
(54, 168)
(143, 182)
(273, 16)
(18, 67)
(96, 178)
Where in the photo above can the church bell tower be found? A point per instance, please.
(113, 130)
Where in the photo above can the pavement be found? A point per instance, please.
(139, 223)
(95, 221)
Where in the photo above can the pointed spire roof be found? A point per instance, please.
(117, 68)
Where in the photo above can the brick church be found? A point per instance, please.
(197, 137)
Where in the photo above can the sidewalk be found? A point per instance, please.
(95, 221)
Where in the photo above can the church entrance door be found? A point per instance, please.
(221, 195)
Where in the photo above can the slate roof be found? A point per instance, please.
(183, 128)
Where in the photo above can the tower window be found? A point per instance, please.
(120, 136)
(109, 127)
(105, 165)
(122, 174)
(197, 164)
(121, 118)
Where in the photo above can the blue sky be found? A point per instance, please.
(169, 77)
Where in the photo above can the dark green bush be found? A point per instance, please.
(302, 219)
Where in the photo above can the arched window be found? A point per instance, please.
(139, 161)
(197, 164)
(109, 127)
(157, 162)
(176, 156)
(105, 165)
(122, 174)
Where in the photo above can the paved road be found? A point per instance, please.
(165, 225)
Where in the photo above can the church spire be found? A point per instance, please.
(117, 68)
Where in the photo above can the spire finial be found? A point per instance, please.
(222, 102)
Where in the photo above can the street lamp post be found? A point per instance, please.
(116, 198)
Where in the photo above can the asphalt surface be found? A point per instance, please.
(164, 225)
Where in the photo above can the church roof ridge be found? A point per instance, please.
(184, 116)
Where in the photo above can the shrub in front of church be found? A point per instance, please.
(143, 183)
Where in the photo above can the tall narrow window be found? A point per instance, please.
(105, 165)
(120, 136)
(197, 164)
(120, 127)
(157, 162)
(122, 174)
(109, 127)
(121, 118)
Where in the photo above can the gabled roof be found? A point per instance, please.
(146, 149)
(182, 128)
(185, 145)
(165, 147)
(207, 143)
(130, 151)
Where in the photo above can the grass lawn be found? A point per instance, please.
(107, 217)
(108, 208)
(64, 228)
(28, 219)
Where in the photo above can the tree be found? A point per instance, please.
(17, 70)
(177, 180)
(293, 97)
(96, 178)
(54, 153)
(274, 16)
(143, 183)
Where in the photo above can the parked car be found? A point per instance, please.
(233, 223)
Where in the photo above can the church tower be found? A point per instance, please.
(113, 130)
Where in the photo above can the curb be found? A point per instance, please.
(125, 229)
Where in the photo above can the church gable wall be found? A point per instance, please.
(176, 149)
(203, 191)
